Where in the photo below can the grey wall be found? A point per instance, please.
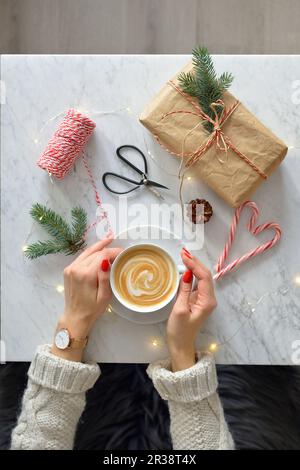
(149, 26)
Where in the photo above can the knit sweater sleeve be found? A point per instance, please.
(196, 413)
(53, 402)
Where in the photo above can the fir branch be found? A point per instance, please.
(203, 82)
(226, 80)
(188, 83)
(79, 222)
(35, 250)
(67, 240)
(52, 222)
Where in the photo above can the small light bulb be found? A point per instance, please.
(213, 347)
(297, 280)
(24, 248)
(253, 310)
(189, 178)
(155, 342)
(82, 111)
(60, 288)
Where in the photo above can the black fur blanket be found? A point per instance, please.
(262, 407)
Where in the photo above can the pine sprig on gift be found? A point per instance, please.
(203, 83)
(66, 239)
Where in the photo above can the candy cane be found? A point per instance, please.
(255, 230)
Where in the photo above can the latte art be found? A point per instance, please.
(145, 276)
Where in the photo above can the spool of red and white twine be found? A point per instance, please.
(65, 147)
(221, 270)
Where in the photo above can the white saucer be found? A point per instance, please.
(167, 240)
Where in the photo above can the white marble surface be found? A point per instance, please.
(258, 314)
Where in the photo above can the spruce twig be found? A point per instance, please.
(35, 250)
(203, 83)
(79, 222)
(66, 239)
(52, 222)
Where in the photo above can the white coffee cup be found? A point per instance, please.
(178, 269)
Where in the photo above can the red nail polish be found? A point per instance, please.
(105, 265)
(187, 277)
(187, 253)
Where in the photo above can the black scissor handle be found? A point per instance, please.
(140, 172)
(124, 178)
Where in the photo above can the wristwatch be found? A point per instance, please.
(63, 340)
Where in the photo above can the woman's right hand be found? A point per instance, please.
(190, 311)
(87, 292)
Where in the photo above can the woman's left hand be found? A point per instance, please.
(87, 292)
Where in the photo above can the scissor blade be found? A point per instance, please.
(157, 185)
(155, 192)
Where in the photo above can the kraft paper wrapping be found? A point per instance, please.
(234, 180)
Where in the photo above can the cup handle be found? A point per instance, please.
(181, 268)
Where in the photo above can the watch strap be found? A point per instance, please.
(78, 343)
(74, 343)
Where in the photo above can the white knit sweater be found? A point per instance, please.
(55, 398)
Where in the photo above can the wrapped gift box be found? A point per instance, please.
(233, 160)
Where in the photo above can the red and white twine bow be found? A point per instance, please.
(221, 269)
(217, 136)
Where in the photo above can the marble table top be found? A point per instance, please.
(257, 320)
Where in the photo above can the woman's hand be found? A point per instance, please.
(87, 293)
(189, 312)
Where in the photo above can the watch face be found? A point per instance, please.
(62, 339)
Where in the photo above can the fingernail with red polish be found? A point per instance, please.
(187, 277)
(187, 253)
(105, 265)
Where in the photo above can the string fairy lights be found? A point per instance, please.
(290, 147)
(296, 280)
(60, 288)
(155, 342)
(214, 347)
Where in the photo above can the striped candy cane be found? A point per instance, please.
(221, 270)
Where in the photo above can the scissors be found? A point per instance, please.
(144, 181)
